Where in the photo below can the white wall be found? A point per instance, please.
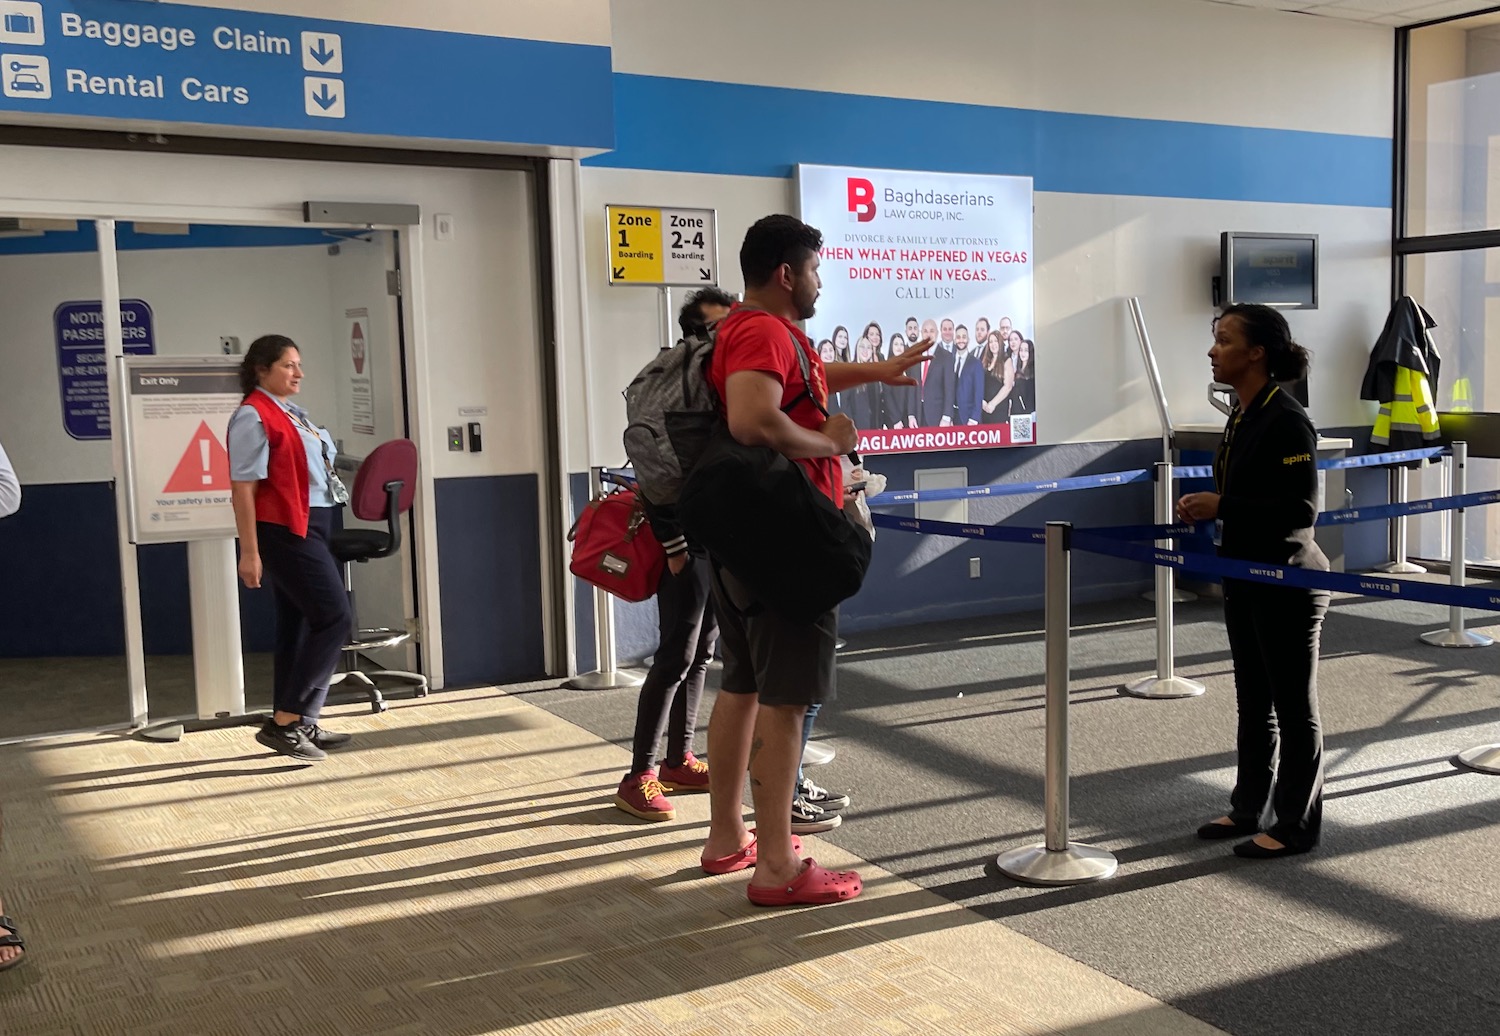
(195, 296)
(1152, 59)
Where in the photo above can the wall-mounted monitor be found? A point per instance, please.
(1273, 269)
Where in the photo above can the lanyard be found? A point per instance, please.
(322, 443)
(1221, 462)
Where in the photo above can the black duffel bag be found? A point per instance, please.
(759, 516)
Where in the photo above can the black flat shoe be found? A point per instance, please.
(1253, 850)
(1212, 831)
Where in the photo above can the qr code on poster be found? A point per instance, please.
(1022, 428)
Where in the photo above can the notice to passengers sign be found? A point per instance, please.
(662, 248)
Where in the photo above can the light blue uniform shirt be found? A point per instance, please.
(250, 450)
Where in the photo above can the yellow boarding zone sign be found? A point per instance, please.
(662, 247)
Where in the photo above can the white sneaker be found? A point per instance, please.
(808, 819)
(832, 801)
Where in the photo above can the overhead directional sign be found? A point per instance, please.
(666, 248)
(208, 69)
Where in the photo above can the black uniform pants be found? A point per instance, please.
(673, 689)
(1273, 638)
(313, 617)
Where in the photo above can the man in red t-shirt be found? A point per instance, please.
(774, 668)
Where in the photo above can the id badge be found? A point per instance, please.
(1218, 532)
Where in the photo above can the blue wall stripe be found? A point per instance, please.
(127, 239)
(768, 130)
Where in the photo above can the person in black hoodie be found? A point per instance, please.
(1265, 504)
(673, 689)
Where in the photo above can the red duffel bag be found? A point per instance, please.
(615, 549)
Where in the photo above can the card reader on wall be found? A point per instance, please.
(474, 442)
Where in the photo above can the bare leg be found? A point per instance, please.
(773, 779)
(730, 730)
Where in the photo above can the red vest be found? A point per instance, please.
(282, 496)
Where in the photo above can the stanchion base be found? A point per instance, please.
(174, 730)
(1456, 639)
(1400, 568)
(1156, 687)
(840, 644)
(1179, 596)
(603, 681)
(817, 753)
(1075, 865)
(1485, 759)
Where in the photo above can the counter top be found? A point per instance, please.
(1191, 437)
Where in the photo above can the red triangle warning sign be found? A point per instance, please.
(204, 466)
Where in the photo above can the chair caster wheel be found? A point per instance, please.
(378, 706)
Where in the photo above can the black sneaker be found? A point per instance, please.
(808, 819)
(290, 741)
(327, 740)
(829, 801)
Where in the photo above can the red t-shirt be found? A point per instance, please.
(754, 340)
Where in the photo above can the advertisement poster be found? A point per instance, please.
(177, 466)
(912, 255)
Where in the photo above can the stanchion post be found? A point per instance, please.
(1455, 636)
(607, 676)
(1398, 565)
(1057, 861)
(1166, 683)
(1484, 759)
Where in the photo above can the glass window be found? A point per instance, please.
(1453, 126)
(1462, 292)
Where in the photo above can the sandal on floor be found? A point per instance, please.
(742, 859)
(11, 938)
(815, 885)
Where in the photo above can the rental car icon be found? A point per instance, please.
(27, 82)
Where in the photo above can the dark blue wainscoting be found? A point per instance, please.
(489, 566)
(61, 564)
(926, 579)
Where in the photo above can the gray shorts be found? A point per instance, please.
(785, 662)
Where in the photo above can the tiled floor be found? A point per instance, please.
(460, 872)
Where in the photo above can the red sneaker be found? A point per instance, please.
(641, 795)
(692, 775)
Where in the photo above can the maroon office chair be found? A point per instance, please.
(383, 491)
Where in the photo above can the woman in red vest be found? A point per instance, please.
(285, 493)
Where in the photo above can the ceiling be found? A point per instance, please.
(1376, 12)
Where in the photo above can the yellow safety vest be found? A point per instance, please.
(1463, 397)
(1411, 415)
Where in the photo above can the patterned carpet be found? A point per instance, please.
(460, 871)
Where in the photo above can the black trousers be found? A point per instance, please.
(1274, 633)
(689, 631)
(313, 617)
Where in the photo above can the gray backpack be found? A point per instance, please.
(672, 412)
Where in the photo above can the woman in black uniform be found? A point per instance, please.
(1265, 506)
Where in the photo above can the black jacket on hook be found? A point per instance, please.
(1402, 378)
(1403, 342)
